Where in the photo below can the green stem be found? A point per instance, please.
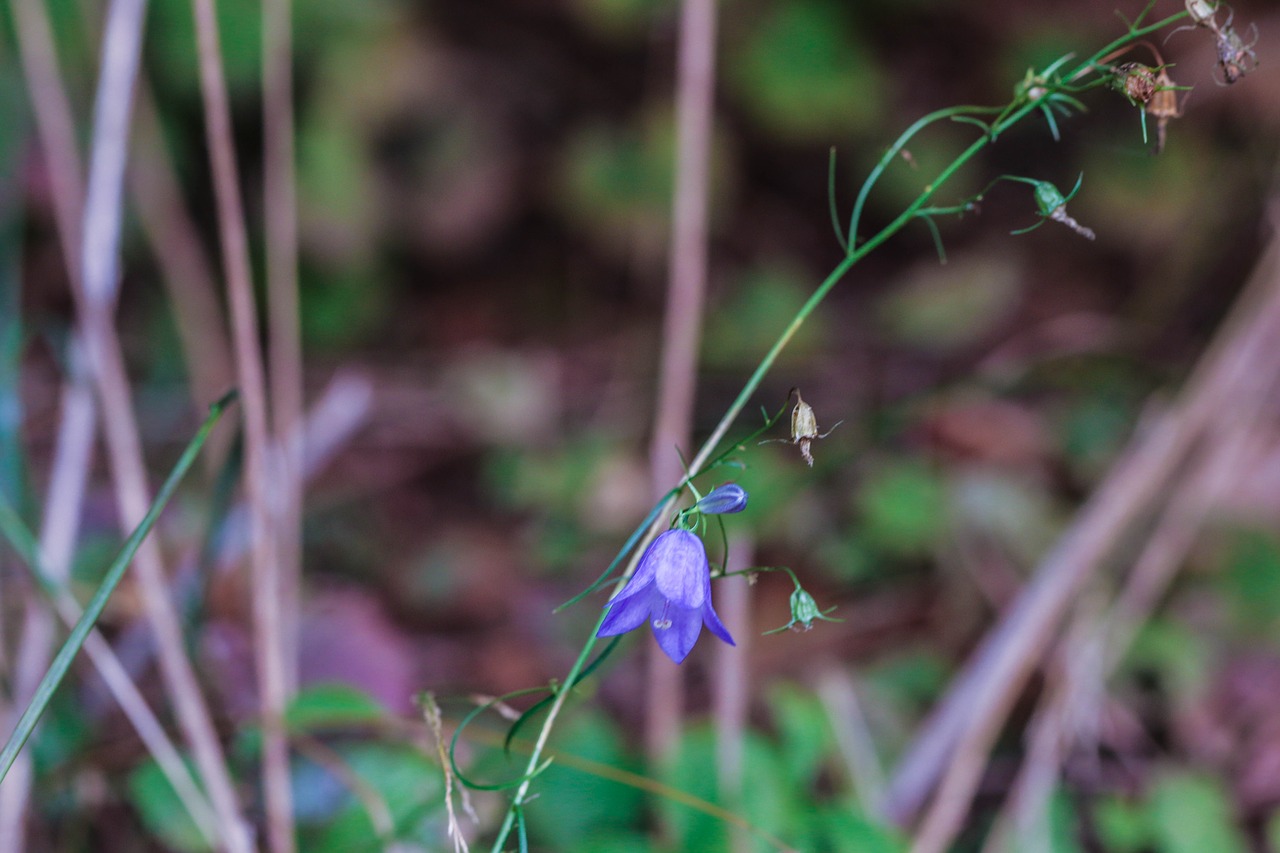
(855, 253)
(894, 150)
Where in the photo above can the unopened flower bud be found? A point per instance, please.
(723, 499)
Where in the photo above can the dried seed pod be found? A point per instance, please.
(1235, 58)
(1135, 81)
(804, 428)
(1060, 214)
(1163, 106)
(1203, 13)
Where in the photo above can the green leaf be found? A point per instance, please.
(171, 40)
(615, 183)
(1192, 814)
(1253, 581)
(326, 706)
(1122, 826)
(804, 730)
(575, 806)
(755, 312)
(1064, 824)
(409, 792)
(162, 812)
(1176, 654)
(769, 803)
(939, 307)
(846, 831)
(903, 507)
(802, 73)
(93, 611)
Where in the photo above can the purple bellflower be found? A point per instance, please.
(672, 590)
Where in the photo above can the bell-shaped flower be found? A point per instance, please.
(671, 589)
(723, 499)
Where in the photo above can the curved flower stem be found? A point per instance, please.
(895, 149)
(852, 257)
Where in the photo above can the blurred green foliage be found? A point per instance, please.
(555, 126)
(804, 74)
(1191, 812)
(162, 812)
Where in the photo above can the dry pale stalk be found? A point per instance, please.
(95, 298)
(956, 739)
(269, 646)
(682, 327)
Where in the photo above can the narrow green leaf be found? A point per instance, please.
(61, 663)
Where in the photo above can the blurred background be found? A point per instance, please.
(484, 198)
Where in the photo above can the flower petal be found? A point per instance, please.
(682, 575)
(642, 578)
(713, 623)
(681, 628)
(624, 616)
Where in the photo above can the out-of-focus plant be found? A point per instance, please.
(668, 578)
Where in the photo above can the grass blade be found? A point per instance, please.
(58, 669)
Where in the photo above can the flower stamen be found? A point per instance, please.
(662, 623)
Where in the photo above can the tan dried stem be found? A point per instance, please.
(269, 647)
(54, 124)
(682, 327)
(72, 460)
(286, 374)
(184, 266)
(956, 740)
(95, 298)
(56, 129)
(838, 692)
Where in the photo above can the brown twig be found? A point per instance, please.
(682, 327)
(54, 123)
(839, 694)
(269, 646)
(95, 297)
(184, 265)
(73, 451)
(72, 461)
(955, 741)
(282, 305)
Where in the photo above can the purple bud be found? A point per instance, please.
(723, 499)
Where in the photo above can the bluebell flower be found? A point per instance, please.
(723, 499)
(672, 590)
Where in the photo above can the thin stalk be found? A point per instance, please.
(269, 646)
(93, 611)
(286, 375)
(48, 561)
(980, 697)
(54, 123)
(682, 327)
(95, 296)
(185, 267)
(56, 131)
(892, 153)
(735, 408)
